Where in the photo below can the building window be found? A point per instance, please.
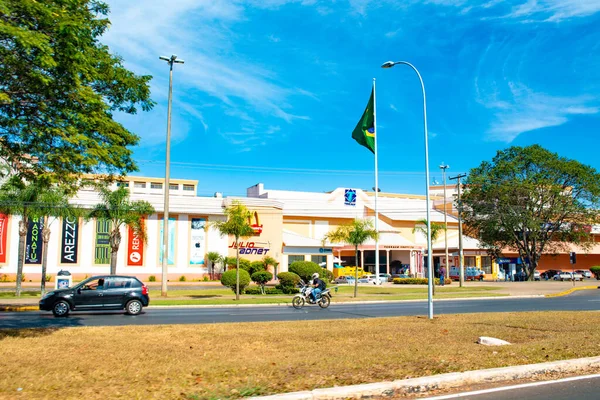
(139, 185)
(123, 184)
(188, 188)
(173, 186)
(486, 264)
(318, 259)
(292, 258)
(155, 185)
(470, 261)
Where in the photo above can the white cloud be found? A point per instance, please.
(202, 33)
(525, 110)
(393, 107)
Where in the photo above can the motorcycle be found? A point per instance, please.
(304, 297)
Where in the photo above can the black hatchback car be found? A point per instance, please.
(110, 292)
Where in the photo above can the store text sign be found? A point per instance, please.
(135, 248)
(70, 235)
(249, 248)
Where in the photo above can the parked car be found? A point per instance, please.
(549, 274)
(344, 279)
(577, 276)
(563, 276)
(385, 277)
(586, 273)
(367, 279)
(537, 276)
(110, 292)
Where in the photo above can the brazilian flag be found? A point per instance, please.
(364, 133)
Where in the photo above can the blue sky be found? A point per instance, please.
(271, 89)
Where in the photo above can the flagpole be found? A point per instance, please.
(377, 282)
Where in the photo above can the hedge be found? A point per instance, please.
(228, 279)
(288, 279)
(596, 271)
(418, 281)
(256, 290)
(305, 269)
(256, 266)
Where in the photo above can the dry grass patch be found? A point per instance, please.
(236, 360)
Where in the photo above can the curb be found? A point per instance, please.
(436, 382)
(575, 289)
(19, 308)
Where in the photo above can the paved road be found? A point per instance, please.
(577, 388)
(583, 300)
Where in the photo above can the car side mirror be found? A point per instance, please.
(79, 290)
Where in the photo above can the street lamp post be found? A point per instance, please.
(165, 240)
(390, 64)
(443, 167)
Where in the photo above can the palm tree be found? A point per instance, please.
(236, 225)
(213, 257)
(121, 211)
(270, 261)
(30, 200)
(354, 233)
(436, 229)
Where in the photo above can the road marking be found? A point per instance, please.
(506, 388)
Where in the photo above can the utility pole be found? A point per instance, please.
(165, 239)
(443, 167)
(460, 235)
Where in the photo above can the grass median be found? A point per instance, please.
(224, 296)
(246, 359)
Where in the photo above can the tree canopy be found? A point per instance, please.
(59, 89)
(530, 200)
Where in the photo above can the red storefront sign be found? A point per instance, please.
(3, 235)
(135, 249)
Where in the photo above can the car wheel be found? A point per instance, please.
(133, 307)
(60, 309)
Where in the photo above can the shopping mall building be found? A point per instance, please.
(288, 226)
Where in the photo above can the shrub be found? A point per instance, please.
(205, 278)
(288, 279)
(151, 278)
(287, 289)
(4, 278)
(228, 279)
(273, 291)
(261, 277)
(256, 266)
(305, 269)
(48, 278)
(326, 275)
(253, 290)
(419, 281)
(596, 271)
(244, 263)
(182, 278)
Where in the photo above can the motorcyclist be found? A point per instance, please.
(318, 286)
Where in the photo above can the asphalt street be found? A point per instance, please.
(584, 300)
(579, 388)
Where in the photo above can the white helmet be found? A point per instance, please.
(315, 275)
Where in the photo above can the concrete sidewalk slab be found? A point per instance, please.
(443, 381)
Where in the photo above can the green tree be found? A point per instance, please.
(261, 278)
(354, 233)
(213, 257)
(59, 89)
(236, 225)
(530, 200)
(30, 200)
(122, 212)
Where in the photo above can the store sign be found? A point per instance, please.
(3, 236)
(350, 197)
(135, 248)
(393, 247)
(170, 242)
(198, 247)
(69, 241)
(256, 226)
(249, 248)
(33, 246)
